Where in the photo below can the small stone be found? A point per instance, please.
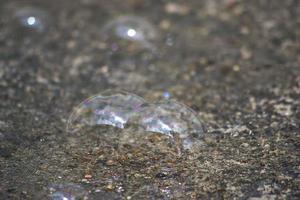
(245, 53)
(110, 162)
(84, 180)
(283, 109)
(88, 176)
(4, 152)
(165, 24)
(109, 187)
(235, 134)
(245, 145)
(120, 189)
(236, 68)
(244, 30)
(174, 8)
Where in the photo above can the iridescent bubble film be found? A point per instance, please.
(173, 119)
(139, 119)
(105, 109)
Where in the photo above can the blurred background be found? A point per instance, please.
(234, 62)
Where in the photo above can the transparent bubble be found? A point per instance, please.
(165, 123)
(105, 109)
(130, 39)
(103, 195)
(67, 191)
(129, 30)
(26, 18)
(173, 119)
(31, 18)
(170, 189)
(147, 192)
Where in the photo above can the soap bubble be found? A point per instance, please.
(129, 30)
(147, 192)
(165, 123)
(32, 18)
(67, 191)
(105, 109)
(172, 119)
(103, 195)
(130, 39)
(26, 18)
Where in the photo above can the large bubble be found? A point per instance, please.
(168, 121)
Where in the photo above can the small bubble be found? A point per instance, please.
(129, 29)
(130, 37)
(27, 18)
(166, 95)
(165, 123)
(32, 18)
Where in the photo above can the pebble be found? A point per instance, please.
(174, 8)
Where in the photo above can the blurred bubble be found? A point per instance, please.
(26, 18)
(67, 191)
(147, 192)
(129, 30)
(31, 18)
(104, 195)
(165, 122)
(166, 95)
(130, 38)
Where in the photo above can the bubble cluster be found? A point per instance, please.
(123, 110)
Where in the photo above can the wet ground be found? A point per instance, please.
(236, 63)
